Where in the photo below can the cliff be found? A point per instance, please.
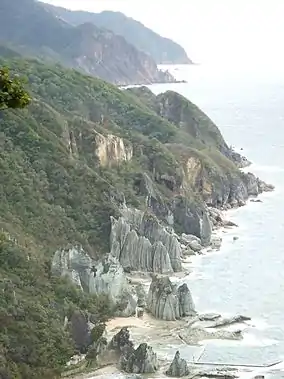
(162, 50)
(33, 30)
(96, 182)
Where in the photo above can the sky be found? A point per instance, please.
(209, 30)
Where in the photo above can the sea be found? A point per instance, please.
(247, 275)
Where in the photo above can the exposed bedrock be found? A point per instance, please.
(142, 360)
(167, 301)
(131, 360)
(193, 335)
(141, 243)
(104, 277)
(178, 367)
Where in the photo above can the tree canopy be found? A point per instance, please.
(12, 91)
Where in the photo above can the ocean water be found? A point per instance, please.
(247, 275)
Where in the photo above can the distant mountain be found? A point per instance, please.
(162, 50)
(32, 29)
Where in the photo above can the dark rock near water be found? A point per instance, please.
(167, 301)
(142, 360)
(178, 367)
(131, 360)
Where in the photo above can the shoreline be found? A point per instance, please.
(145, 326)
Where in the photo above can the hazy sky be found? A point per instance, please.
(210, 30)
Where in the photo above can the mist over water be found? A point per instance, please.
(247, 275)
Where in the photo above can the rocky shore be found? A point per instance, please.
(150, 309)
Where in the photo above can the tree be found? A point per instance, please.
(12, 92)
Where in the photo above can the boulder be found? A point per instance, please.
(143, 360)
(195, 246)
(178, 367)
(188, 238)
(216, 242)
(167, 301)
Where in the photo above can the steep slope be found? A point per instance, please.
(88, 169)
(162, 50)
(35, 31)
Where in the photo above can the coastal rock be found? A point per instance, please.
(206, 229)
(193, 335)
(189, 238)
(209, 316)
(229, 321)
(167, 301)
(141, 243)
(104, 277)
(143, 360)
(178, 367)
(216, 242)
(195, 246)
(131, 360)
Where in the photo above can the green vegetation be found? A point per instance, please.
(54, 192)
(12, 92)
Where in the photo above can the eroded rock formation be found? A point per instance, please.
(131, 360)
(141, 243)
(143, 360)
(104, 277)
(178, 367)
(167, 301)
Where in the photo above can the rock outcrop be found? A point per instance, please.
(80, 331)
(178, 367)
(112, 150)
(141, 243)
(104, 277)
(193, 335)
(131, 360)
(206, 229)
(222, 322)
(167, 301)
(143, 360)
(121, 341)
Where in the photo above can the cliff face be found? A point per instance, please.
(34, 30)
(97, 182)
(162, 50)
